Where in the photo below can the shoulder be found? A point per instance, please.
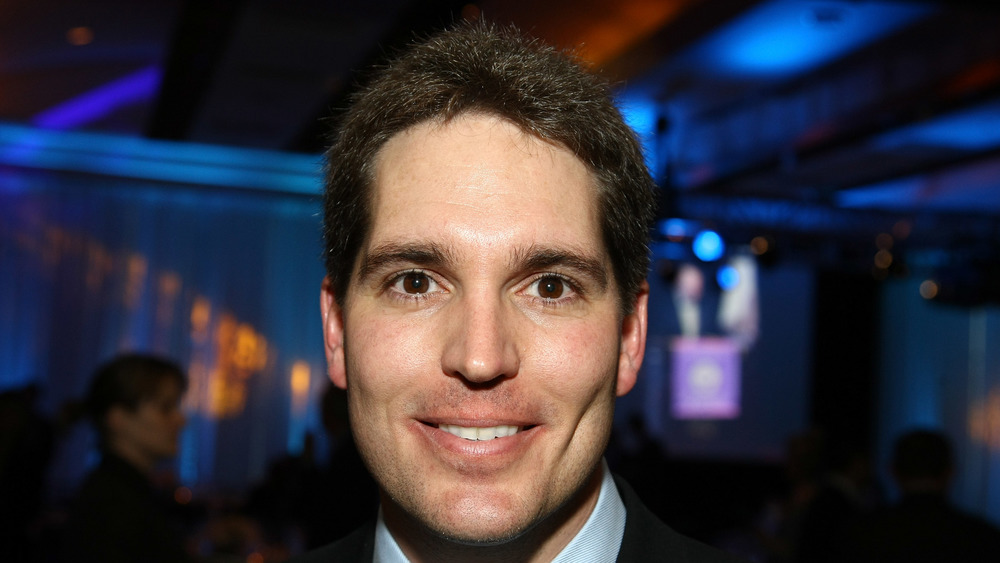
(356, 547)
(110, 495)
(649, 539)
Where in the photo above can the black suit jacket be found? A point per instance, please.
(922, 528)
(117, 517)
(646, 539)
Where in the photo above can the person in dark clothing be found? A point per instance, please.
(118, 516)
(842, 497)
(340, 496)
(923, 526)
(26, 444)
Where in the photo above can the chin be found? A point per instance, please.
(483, 535)
(475, 521)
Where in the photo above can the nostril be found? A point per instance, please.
(483, 383)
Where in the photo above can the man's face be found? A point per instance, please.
(152, 430)
(481, 340)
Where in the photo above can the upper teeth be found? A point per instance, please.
(474, 433)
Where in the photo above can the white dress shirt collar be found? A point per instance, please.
(598, 540)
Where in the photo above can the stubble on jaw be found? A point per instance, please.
(533, 544)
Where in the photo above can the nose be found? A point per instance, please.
(480, 342)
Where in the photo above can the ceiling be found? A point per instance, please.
(828, 122)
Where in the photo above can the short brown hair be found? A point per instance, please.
(482, 68)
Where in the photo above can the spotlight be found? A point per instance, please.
(883, 259)
(727, 277)
(929, 289)
(708, 246)
(674, 229)
(80, 36)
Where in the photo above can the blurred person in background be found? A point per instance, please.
(845, 493)
(923, 526)
(134, 402)
(26, 444)
(327, 510)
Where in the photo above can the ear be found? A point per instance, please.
(633, 342)
(333, 334)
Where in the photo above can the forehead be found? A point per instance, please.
(165, 387)
(482, 182)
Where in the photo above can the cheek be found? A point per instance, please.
(383, 356)
(580, 357)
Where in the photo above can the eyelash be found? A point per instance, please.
(558, 301)
(574, 288)
(409, 297)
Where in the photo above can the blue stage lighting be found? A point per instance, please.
(782, 37)
(676, 228)
(963, 130)
(167, 161)
(140, 86)
(708, 246)
(727, 277)
(640, 114)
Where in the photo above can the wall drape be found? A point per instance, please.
(940, 368)
(225, 282)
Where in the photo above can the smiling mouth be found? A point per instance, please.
(481, 433)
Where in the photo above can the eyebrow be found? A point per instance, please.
(426, 254)
(532, 258)
(544, 258)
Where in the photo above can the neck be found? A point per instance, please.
(539, 543)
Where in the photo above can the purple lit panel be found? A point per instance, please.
(705, 378)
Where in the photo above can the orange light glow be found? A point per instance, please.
(240, 353)
(980, 76)
(599, 32)
(99, 265)
(80, 36)
(759, 245)
(249, 352)
(201, 313)
(169, 286)
(300, 386)
(471, 12)
(984, 420)
(883, 259)
(929, 289)
(300, 377)
(183, 495)
(138, 267)
(626, 24)
(226, 398)
(196, 396)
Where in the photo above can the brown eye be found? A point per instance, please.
(415, 282)
(551, 287)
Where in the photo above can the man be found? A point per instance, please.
(486, 217)
(134, 401)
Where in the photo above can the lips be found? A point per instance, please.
(478, 447)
